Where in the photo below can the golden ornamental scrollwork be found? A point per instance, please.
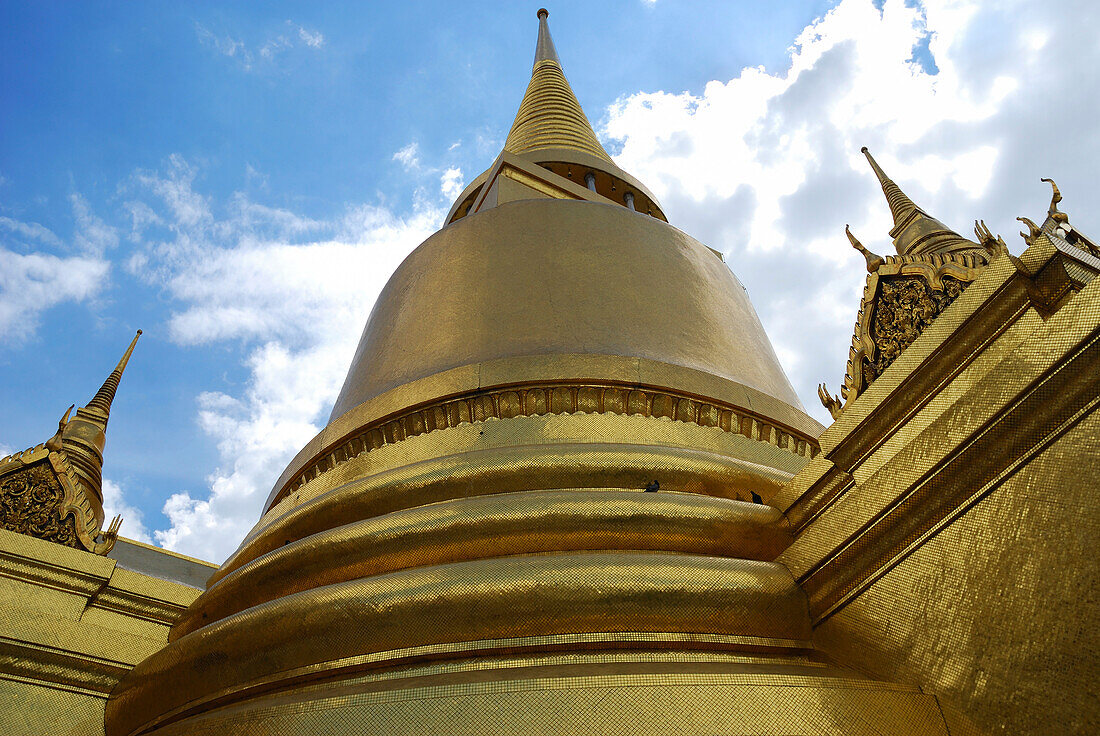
(903, 309)
(993, 244)
(31, 501)
(1057, 226)
(54, 491)
(830, 401)
(904, 294)
(522, 401)
(42, 496)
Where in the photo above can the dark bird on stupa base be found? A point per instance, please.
(653, 487)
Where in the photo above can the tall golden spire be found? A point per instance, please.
(85, 435)
(549, 115)
(915, 232)
(106, 394)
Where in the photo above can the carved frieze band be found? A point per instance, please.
(555, 399)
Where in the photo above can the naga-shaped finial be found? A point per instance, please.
(1036, 231)
(1055, 198)
(55, 443)
(829, 401)
(873, 261)
(995, 245)
(110, 536)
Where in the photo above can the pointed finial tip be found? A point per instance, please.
(543, 13)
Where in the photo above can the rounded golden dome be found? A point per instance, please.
(544, 277)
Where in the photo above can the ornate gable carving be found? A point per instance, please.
(42, 496)
(903, 295)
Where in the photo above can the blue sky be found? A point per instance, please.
(239, 179)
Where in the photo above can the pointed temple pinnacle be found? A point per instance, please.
(544, 49)
(900, 205)
(106, 394)
(549, 115)
(915, 232)
(85, 436)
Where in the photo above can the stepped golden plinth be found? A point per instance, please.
(568, 489)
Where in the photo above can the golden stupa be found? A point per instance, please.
(567, 489)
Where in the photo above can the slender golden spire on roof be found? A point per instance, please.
(106, 394)
(900, 205)
(85, 436)
(550, 116)
(915, 232)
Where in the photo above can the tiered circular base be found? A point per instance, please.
(560, 611)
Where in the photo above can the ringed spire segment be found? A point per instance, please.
(551, 133)
(85, 436)
(106, 394)
(62, 479)
(900, 205)
(549, 115)
(915, 232)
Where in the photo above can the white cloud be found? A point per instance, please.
(224, 45)
(297, 292)
(313, 39)
(142, 216)
(267, 51)
(275, 45)
(31, 283)
(114, 503)
(766, 166)
(92, 234)
(186, 208)
(409, 156)
(34, 282)
(30, 230)
(450, 183)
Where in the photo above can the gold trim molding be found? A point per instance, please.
(541, 399)
(1045, 411)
